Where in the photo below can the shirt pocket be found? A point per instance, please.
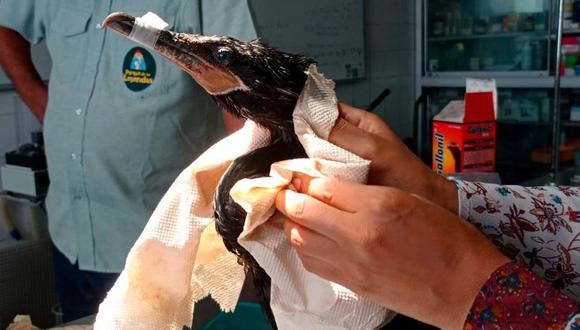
(69, 43)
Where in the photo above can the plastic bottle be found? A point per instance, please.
(526, 56)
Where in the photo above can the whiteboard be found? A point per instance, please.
(329, 31)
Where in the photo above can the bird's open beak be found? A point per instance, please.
(188, 51)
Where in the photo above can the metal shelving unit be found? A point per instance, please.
(546, 80)
(503, 80)
(557, 95)
(520, 123)
(530, 35)
(568, 123)
(570, 82)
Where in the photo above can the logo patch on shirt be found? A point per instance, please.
(138, 69)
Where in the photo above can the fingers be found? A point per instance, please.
(351, 114)
(322, 268)
(365, 121)
(313, 214)
(348, 136)
(308, 242)
(313, 249)
(337, 193)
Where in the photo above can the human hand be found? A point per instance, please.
(397, 249)
(392, 163)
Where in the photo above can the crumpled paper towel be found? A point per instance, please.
(24, 322)
(300, 299)
(180, 259)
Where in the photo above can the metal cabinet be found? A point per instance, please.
(494, 37)
(516, 42)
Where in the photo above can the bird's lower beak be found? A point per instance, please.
(184, 50)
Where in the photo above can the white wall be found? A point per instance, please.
(390, 51)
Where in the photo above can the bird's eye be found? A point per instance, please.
(225, 56)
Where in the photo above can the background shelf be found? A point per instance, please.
(458, 80)
(537, 35)
(569, 123)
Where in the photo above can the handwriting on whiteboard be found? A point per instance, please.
(330, 31)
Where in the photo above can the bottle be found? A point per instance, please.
(526, 56)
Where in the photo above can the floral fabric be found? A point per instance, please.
(515, 298)
(539, 227)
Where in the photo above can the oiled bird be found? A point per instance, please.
(249, 80)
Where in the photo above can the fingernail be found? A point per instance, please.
(295, 237)
(294, 202)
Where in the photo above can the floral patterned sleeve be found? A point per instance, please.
(539, 227)
(515, 298)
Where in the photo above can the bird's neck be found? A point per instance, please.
(281, 135)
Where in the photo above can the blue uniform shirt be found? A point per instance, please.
(121, 121)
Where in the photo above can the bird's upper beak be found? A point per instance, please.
(190, 52)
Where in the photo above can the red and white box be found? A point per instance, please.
(464, 132)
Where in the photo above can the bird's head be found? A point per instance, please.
(248, 79)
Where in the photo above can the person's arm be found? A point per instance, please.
(392, 163)
(539, 226)
(16, 61)
(515, 298)
(414, 257)
(549, 229)
(392, 247)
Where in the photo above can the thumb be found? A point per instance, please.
(349, 137)
(366, 121)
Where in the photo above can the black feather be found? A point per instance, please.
(275, 80)
(230, 217)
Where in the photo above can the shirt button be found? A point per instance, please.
(78, 111)
(73, 156)
(98, 26)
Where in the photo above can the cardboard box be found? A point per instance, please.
(464, 135)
